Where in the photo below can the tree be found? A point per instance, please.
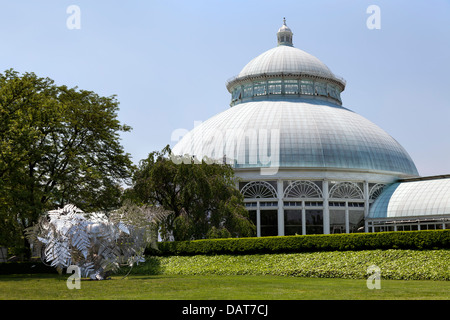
(58, 145)
(202, 197)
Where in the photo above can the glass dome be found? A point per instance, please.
(285, 70)
(287, 60)
(300, 133)
(287, 112)
(413, 199)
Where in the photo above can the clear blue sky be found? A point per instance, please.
(167, 61)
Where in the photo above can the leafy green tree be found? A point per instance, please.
(58, 145)
(202, 197)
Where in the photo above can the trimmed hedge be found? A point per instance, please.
(425, 239)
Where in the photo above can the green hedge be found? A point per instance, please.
(425, 239)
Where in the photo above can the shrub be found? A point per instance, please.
(416, 240)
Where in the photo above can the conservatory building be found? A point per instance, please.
(306, 163)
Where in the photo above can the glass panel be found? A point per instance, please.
(292, 222)
(248, 91)
(237, 93)
(274, 87)
(320, 88)
(314, 221)
(356, 220)
(259, 89)
(337, 204)
(269, 223)
(292, 204)
(252, 215)
(291, 87)
(332, 91)
(313, 203)
(268, 204)
(307, 87)
(337, 221)
(384, 228)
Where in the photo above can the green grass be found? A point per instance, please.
(172, 287)
(405, 274)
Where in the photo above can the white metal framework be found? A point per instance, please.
(376, 190)
(288, 86)
(258, 190)
(303, 189)
(308, 206)
(346, 190)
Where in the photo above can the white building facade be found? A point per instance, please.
(306, 164)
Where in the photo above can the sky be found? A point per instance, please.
(168, 61)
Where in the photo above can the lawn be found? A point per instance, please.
(214, 287)
(405, 275)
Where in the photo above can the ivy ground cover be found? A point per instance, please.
(392, 264)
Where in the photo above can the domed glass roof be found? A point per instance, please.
(286, 112)
(286, 59)
(413, 199)
(304, 133)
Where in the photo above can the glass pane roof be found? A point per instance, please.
(306, 133)
(416, 198)
(285, 59)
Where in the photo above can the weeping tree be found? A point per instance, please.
(97, 243)
(201, 196)
(143, 217)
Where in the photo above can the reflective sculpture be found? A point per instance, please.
(98, 244)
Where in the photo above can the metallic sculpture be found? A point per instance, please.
(98, 244)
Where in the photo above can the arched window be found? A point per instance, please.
(259, 189)
(376, 190)
(346, 190)
(303, 189)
